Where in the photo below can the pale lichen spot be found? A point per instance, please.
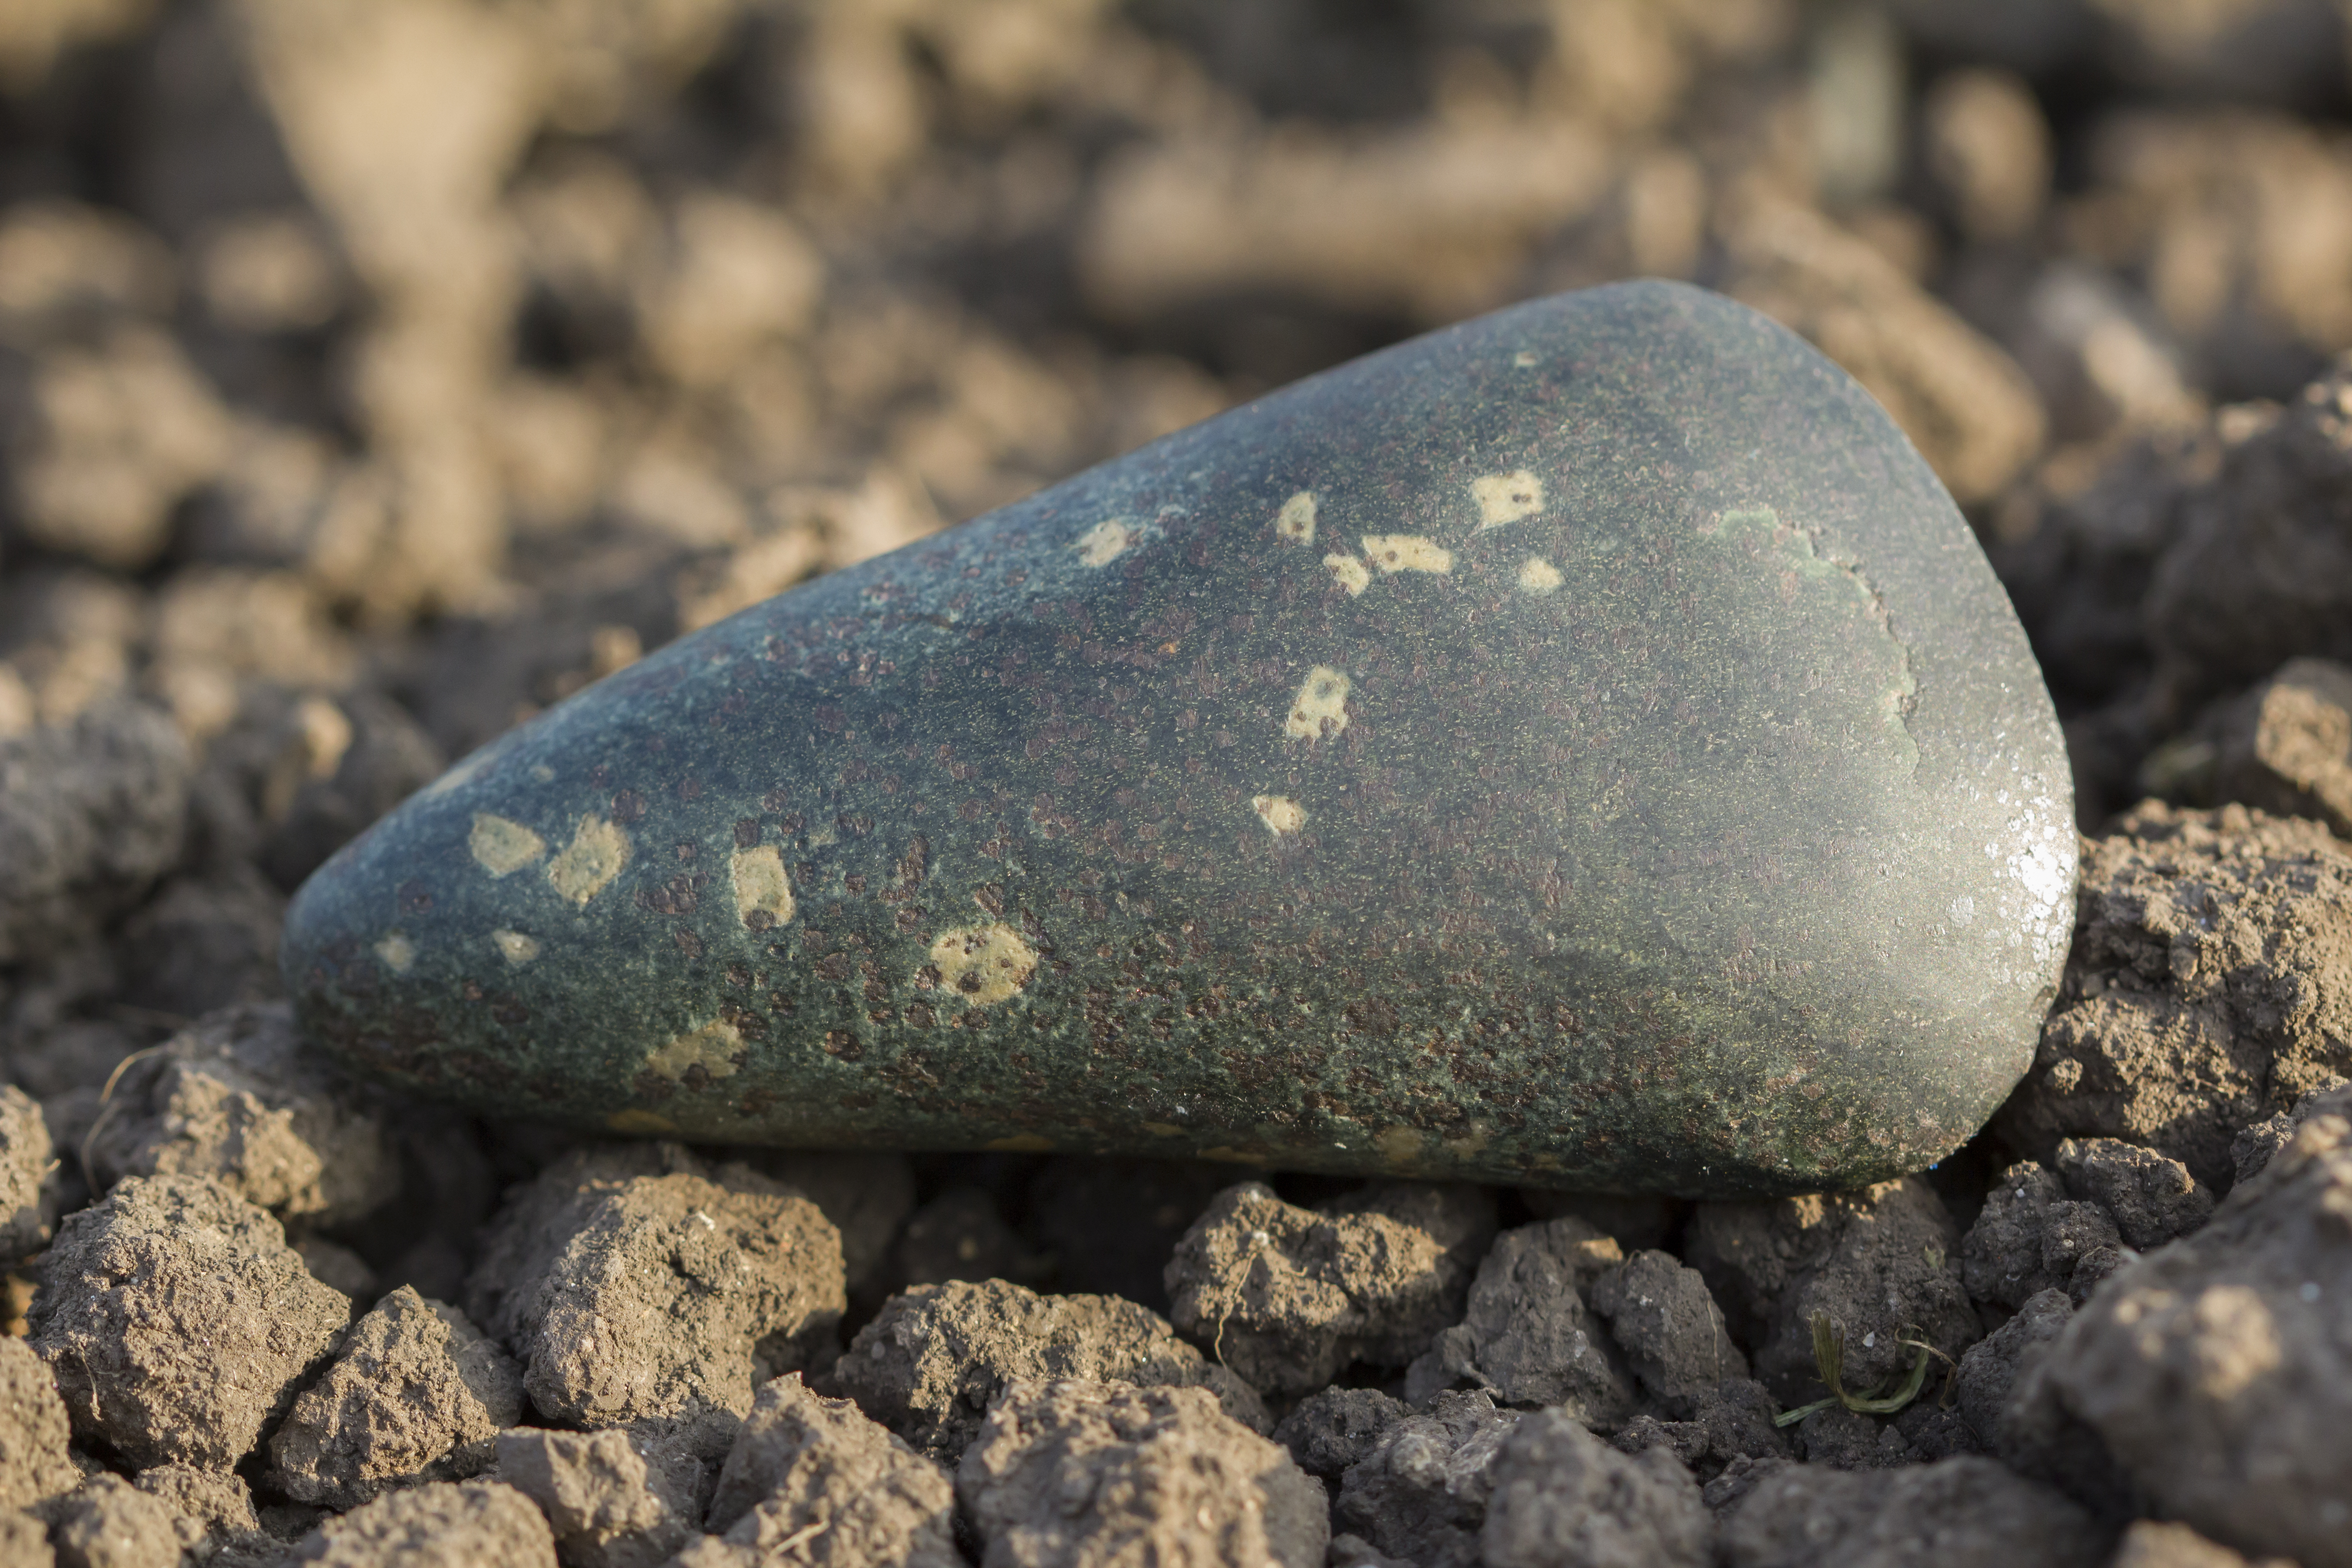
(397, 951)
(1104, 543)
(983, 965)
(1538, 575)
(1507, 498)
(763, 894)
(1296, 519)
(1280, 814)
(1320, 708)
(502, 846)
(1408, 553)
(597, 853)
(516, 948)
(717, 1049)
(1525, 359)
(1349, 573)
(636, 1123)
(1021, 1143)
(1400, 1147)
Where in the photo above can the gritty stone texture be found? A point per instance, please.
(633, 1295)
(415, 1393)
(937, 1356)
(29, 1176)
(1074, 1473)
(109, 1523)
(425, 1526)
(1421, 1491)
(1669, 1328)
(816, 1472)
(1563, 1498)
(178, 1321)
(90, 813)
(1288, 1296)
(34, 1431)
(2030, 1237)
(1961, 1513)
(1884, 1263)
(1796, 529)
(2211, 987)
(607, 1505)
(1527, 1335)
(1731, 1422)
(2152, 1199)
(2217, 1372)
(1331, 1429)
(241, 1098)
(2285, 747)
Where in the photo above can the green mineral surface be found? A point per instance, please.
(1584, 747)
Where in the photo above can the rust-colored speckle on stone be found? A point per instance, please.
(763, 893)
(1296, 519)
(501, 847)
(1407, 552)
(716, 1047)
(1507, 498)
(1280, 814)
(1105, 543)
(515, 947)
(1349, 574)
(983, 965)
(1538, 575)
(1320, 709)
(597, 853)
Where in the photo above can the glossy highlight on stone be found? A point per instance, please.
(1584, 747)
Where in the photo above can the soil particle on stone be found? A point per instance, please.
(29, 1176)
(243, 1098)
(1528, 1335)
(813, 1480)
(2216, 1371)
(2152, 1199)
(109, 1523)
(1560, 1498)
(1288, 1296)
(2209, 987)
(1073, 1473)
(34, 1430)
(417, 1392)
(430, 1525)
(1962, 1513)
(1421, 1491)
(178, 1322)
(937, 1357)
(1672, 1335)
(90, 814)
(608, 1505)
(2030, 1237)
(1334, 1427)
(1883, 1263)
(631, 1296)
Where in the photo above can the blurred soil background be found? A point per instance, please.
(376, 373)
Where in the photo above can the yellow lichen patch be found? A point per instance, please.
(595, 855)
(1320, 708)
(1408, 553)
(1021, 1143)
(1401, 1147)
(1104, 543)
(763, 894)
(634, 1123)
(397, 952)
(516, 948)
(1349, 573)
(715, 1048)
(1280, 814)
(501, 847)
(1507, 498)
(983, 965)
(1538, 575)
(1296, 519)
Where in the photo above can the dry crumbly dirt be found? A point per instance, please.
(374, 375)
